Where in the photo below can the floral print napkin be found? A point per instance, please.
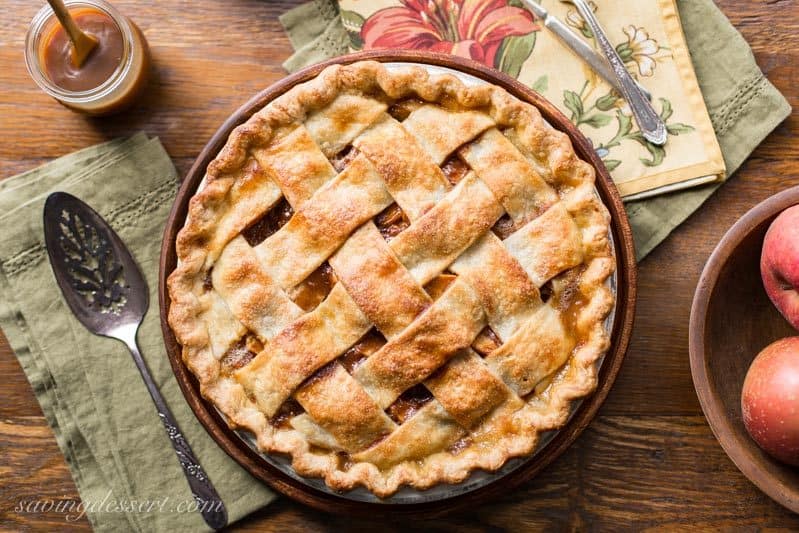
(503, 35)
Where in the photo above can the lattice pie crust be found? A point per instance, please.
(394, 278)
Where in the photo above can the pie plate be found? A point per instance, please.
(275, 469)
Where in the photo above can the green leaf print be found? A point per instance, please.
(513, 52)
(678, 128)
(597, 121)
(658, 153)
(573, 103)
(541, 84)
(665, 111)
(607, 102)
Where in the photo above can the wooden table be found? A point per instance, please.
(649, 459)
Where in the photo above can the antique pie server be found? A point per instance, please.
(612, 71)
(108, 294)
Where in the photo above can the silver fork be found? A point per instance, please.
(649, 122)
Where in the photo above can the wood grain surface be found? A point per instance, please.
(648, 460)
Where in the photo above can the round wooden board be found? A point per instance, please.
(622, 323)
(732, 320)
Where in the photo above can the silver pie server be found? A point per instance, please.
(583, 50)
(649, 122)
(106, 291)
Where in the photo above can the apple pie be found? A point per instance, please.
(394, 278)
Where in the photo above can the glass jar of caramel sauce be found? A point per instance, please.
(111, 78)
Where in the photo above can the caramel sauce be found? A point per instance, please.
(409, 403)
(391, 222)
(268, 224)
(366, 346)
(344, 158)
(402, 109)
(454, 169)
(208, 280)
(486, 342)
(568, 299)
(240, 354)
(571, 316)
(504, 227)
(56, 52)
(546, 291)
(315, 288)
(288, 410)
(439, 284)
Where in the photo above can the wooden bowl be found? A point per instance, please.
(326, 500)
(732, 320)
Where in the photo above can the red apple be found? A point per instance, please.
(770, 400)
(779, 264)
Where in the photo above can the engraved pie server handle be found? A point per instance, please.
(106, 291)
(209, 503)
(652, 126)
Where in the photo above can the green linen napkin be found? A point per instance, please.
(744, 106)
(88, 387)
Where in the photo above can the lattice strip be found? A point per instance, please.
(540, 347)
(449, 325)
(429, 430)
(467, 389)
(434, 241)
(440, 131)
(336, 396)
(366, 252)
(515, 183)
(303, 347)
(337, 124)
(223, 328)
(251, 295)
(415, 182)
(323, 223)
(296, 164)
(506, 292)
(547, 245)
(314, 433)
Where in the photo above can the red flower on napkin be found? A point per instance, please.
(468, 28)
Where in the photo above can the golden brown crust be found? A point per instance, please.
(449, 229)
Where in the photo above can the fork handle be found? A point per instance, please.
(651, 125)
(208, 501)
